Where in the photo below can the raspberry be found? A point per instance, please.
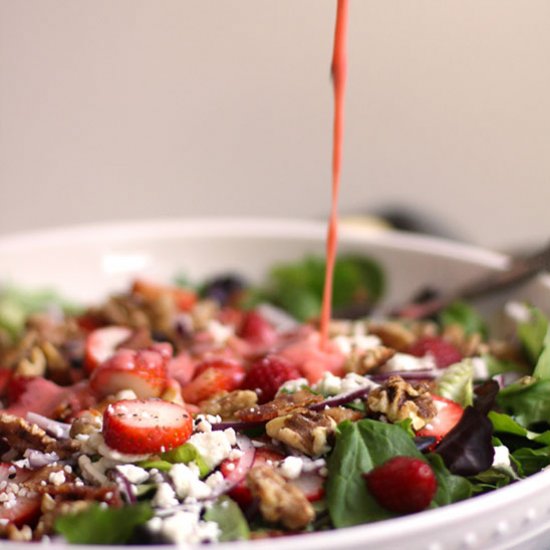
(402, 484)
(443, 352)
(268, 374)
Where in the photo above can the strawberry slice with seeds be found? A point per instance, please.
(146, 426)
(449, 414)
(142, 371)
(102, 343)
(19, 505)
(211, 377)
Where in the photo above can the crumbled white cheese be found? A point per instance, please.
(329, 384)
(333, 385)
(359, 342)
(134, 474)
(291, 467)
(220, 333)
(353, 381)
(165, 497)
(185, 527)
(480, 367)
(112, 454)
(406, 362)
(214, 447)
(187, 483)
(215, 481)
(292, 386)
(518, 312)
(57, 478)
(502, 457)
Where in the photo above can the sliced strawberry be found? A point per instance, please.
(236, 470)
(443, 352)
(268, 374)
(35, 394)
(142, 371)
(313, 360)
(312, 485)
(181, 368)
(146, 426)
(448, 415)
(184, 299)
(102, 343)
(256, 330)
(213, 376)
(22, 510)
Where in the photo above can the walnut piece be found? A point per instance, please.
(280, 501)
(364, 361)
(281, 405)
(227, 404)
(21, 435)
(11, 532)
(305, 430)
(398, 400)
(393, 334)
(339, 414)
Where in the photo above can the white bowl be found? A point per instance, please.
(85, 263)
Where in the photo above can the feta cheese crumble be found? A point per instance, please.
(214, 447)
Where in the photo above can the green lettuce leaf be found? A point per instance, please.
(97, 525)
(533, 333)
(527, 400)
(461, 313)
(17, 304)
(185, 454)
(230, 519)
(297, 287)
(532, 461)
(457, 383)
(359, 448)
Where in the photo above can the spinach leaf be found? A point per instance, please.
(461, 313)
(532, 334)
(297, 287)
(527, 400)
(542, 368)
(532, 461)
(231, 521)
(97, 525)
(359, 448)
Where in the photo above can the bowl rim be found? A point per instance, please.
(231, 227)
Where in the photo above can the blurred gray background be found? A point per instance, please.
(133, 108)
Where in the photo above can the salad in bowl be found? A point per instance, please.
(206, 408)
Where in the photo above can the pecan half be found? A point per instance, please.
(21, 435)
(364, 361)
(227, 404)
(305, 430)
(282, 404)
(280, 501)
(398, 400)
(393, 334)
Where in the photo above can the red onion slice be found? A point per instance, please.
(59, 430)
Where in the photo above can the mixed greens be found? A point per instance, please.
(239, 378)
